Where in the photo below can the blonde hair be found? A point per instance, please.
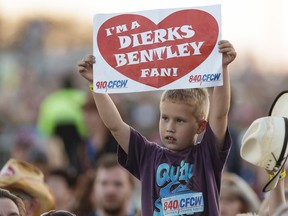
(198, 98)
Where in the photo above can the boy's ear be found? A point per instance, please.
(202, 126)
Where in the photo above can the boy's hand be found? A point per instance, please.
(85, 67)
(228, 52)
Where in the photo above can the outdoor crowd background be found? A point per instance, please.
(35, 53)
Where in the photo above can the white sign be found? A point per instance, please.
(157, 50)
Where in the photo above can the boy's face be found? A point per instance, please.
(177, 125)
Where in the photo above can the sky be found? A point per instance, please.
(259, 28)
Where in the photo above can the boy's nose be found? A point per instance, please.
(170, 127)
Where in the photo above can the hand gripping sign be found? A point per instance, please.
(157, 50)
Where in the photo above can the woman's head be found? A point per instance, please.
(10, 203)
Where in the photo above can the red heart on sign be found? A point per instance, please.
(158, 54)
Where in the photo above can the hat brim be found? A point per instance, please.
(279, 106)
(36, 190)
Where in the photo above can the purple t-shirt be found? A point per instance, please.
(184, 183)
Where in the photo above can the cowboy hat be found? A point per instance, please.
(19, 175)
(264, 144)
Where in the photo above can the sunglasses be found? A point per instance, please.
(58, 213)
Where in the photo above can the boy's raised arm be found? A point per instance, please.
(106, 107)
(220, 100)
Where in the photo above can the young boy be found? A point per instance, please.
(181, 178)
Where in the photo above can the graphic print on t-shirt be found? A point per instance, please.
(175, 198)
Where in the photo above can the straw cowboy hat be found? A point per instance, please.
(19, 175)
(264, 144)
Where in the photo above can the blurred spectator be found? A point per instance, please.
(112, 189)
(234, 161)
(237, 196)
(39, 158)
(23, 142)
(143, 113)
(61, 115)
(99, 139)
(10, 204)
(58, 213)
(63, 183)
(84, 193)
(27, 146)
(27, 182)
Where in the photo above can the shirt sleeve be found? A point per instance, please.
(137, 148)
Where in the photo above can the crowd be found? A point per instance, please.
(71, 167)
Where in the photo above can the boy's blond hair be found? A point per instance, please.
(198, 98)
